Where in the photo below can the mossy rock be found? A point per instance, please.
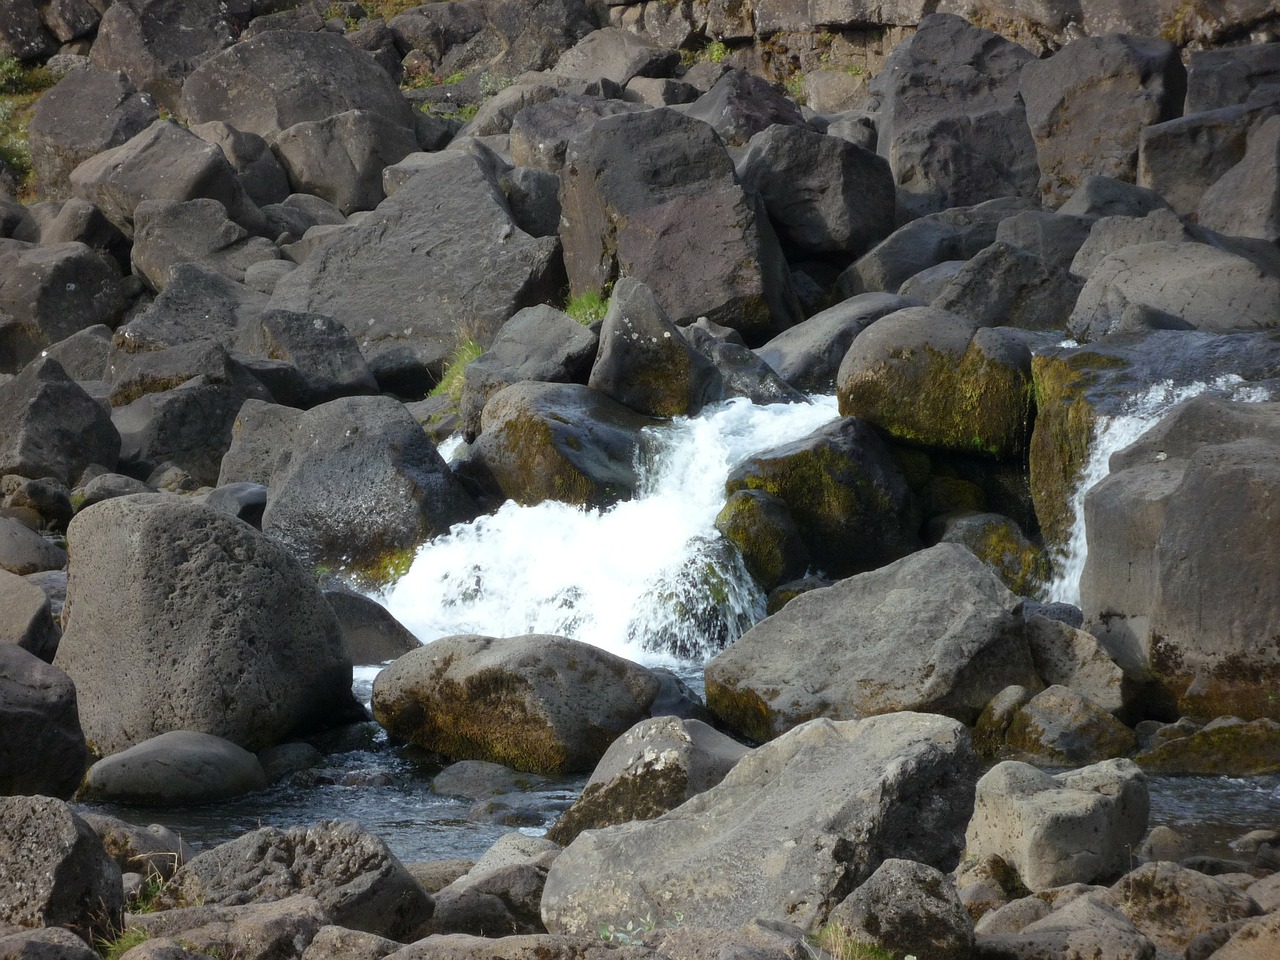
(1230, 748)
(760, 526)
(1060, 727)
(999, 543)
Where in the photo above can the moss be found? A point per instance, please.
(742, 710)
(450, 384)
(382, 569)
(1022, 565)
(744, 524)
(1241, 685)
(1238, 750)
(536, 469)
(841, 943)
(634, 796)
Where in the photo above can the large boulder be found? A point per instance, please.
(1005, 285)
(936, 631)
(357, 880)
(1221, 78)
(362, 485)
(169, 232)
(541, 704)
(740, 104)
(637, 187)
(1245, 201)
(908, 907)
(42, 749)
(773, 839)
(251, 652)
(56, 871)
(951, 123)
(178, 768)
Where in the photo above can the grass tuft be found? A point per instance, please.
(125, 941)
(587, 307)
(450, 384)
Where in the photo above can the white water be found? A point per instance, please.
(1112, 434)
(649, 579)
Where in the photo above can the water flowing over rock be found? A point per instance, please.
(783, 836)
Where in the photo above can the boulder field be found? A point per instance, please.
(258, 258)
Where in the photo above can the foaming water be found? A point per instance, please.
(649, 579)
(1112, 434)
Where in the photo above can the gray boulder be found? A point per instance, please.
(501, 893)
(83, 355)
(362, 485)
(195, 304)
(1221, 78)
(319, 348)
(370, 633)
(177, 768)
(760, 525)
(951, 122)
(60, 875)
(169, 232)
(24, 552)
(1112, 234)
(1075, 827)
(25, 619)
(908, 908)
(253, 931)
(770, 840)
(42, 749)
(618, 55)
(261, 443)
(1005, 285)
(1087, 926)
(1245, 201)
(1172, 904)
(1053, 238)
(1101, 196)
(1061, 727)
(540, 704)
(540, 133)
(935, 631)
(1088, 103)
(740, 105)
(277, 646)
(46, 943)
(153, 850)
(260, 173)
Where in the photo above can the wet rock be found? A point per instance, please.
(909, 908)
(42, 748)
(479, 779)
(760, 526)
(1059, 726)
(522, 701)
(948, 649)
(707, 854)
(177, 768)
(1227, 746)
(277, 645)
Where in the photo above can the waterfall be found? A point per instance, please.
(649, 579)
(1112, 434)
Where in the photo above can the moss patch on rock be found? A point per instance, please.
(1229, 749)
(743, 710)
(640, 796)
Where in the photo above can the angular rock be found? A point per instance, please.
(25, 621)
(540, 133)
(617, 55)
(178, 768)
(910, 908)
(1073, 658)
(998, 542)
(370, 633)
(1112, 234)
(1007, 286)
(195, 304)
(740, 105)
(1245, 201)
(253, 654)
(1172, 905)
(46, 943)
(338, 943)
(1221, 78)
(761, 527)
(261, 443)
(500, 895)
(322, 351)
(1053, 238)
(253, 931)
(1227, 746)
(42, 749)
(24, 552)
(1060, 727)
(1088, 926)
(540, 704)
(170, 232)
(935, 631)
(769, 840)
(260, 173)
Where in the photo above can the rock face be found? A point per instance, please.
(222, 631)
(358, 881)
(55, 871)
(771, 839)
(538, 703)
(38, 718)
(935, 631)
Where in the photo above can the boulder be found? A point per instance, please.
(52, 428)
(25, 618)
(1221, 78)
(163, 162)
(260, 173)
(615, 54)
(1252, 940)
(461, 946)
(370, 634)
(636, 187)
(1245, 201)
(907, 908)
(409, 311)
(153, 850)
(1112, 234)
(57, 872)
(936, 379)
(770, 840)
(83, 355)
(500, 894)
(1091, 925)
(740, 105)
(867, 515)
(196, 304)
(338, 943)
(645, 363)
(253, 931)
(256, 669)
(363, 484)
(1060, 727)
(951, 122)
(540, 704)
(169, 232)
(359, 883)
(824, 195)
(1101, 196)
(23, 551)
(540, 133)
(654, 767)
(178, 768)
(84, 113)
(23, 35)
(998, 542)
(760, 525)
(42, 749)
(45, 943)
(1172, 905)
(1005, 285)
(1053, 238)
(321, 350)
(567, 442)
(1074, 658)
(1076, 827)
(1088, 103)
(261, 443)
(1227, 746)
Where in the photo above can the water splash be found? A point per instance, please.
(649, 579)
(1112, 434)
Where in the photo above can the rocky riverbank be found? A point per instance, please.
(264, 256)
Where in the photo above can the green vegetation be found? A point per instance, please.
(840, 942)
(126, 940)
(20, 88)
(450, 384)
(633, 933)
(795, 87)
(716, 51)
(587, 307)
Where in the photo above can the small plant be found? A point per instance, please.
(450, 384)
(124, 941)
(587, 307)
(716, 51)
(489, 84)
(838, 941)
(634, 932)
(795, 87)
(854, 70)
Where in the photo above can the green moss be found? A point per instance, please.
(379, 570)
(1022, 565)
(1238, 750)
(744, 524)
(534, 469)
(635, 796)
(742, 710)
(587, 307)
(842, 944)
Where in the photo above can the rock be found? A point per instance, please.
(323, 352)
(362, 485)
(1228, 747)
(277, 646)
(869, 517)
(1221, 78)
(461, 946)
(824, 195)
(169, 232)
(52, 428)
(761, 527)
(1099, 196)
(163, 162)
(769, 840)
(261, 443)
(1073, 658)
(481, 271)
(1060, 727)
(1224, 207)
(565, 442)
(1088, 103)
(645, 363)
(1188, 281)
(1053, 238)
(999, 543)
(637, 186)
(370, 634)
(341, 158)
(46, 943)
(481, 780)
(338, 943)
(1088, 926)
(955, 644)
(23, 551)
(1171, 905)
(57, 872)
(1253, 940)
(1007, 286)
(85, 112)
(1112, 234)
(909, 908)
(739, 105)
(357, 880)
(654, 767)
(968, 144)
(177, 768)
(260, 173)
(471, 697)
(617, 55)
(1075, 827)
(500, 895)
(26, 620)
(156, 849)
(39, 720)
(270, 82)
(196, 304)
(808, 355)
(540, 133)
(742, 372)
(255, 931)
(934, 378)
